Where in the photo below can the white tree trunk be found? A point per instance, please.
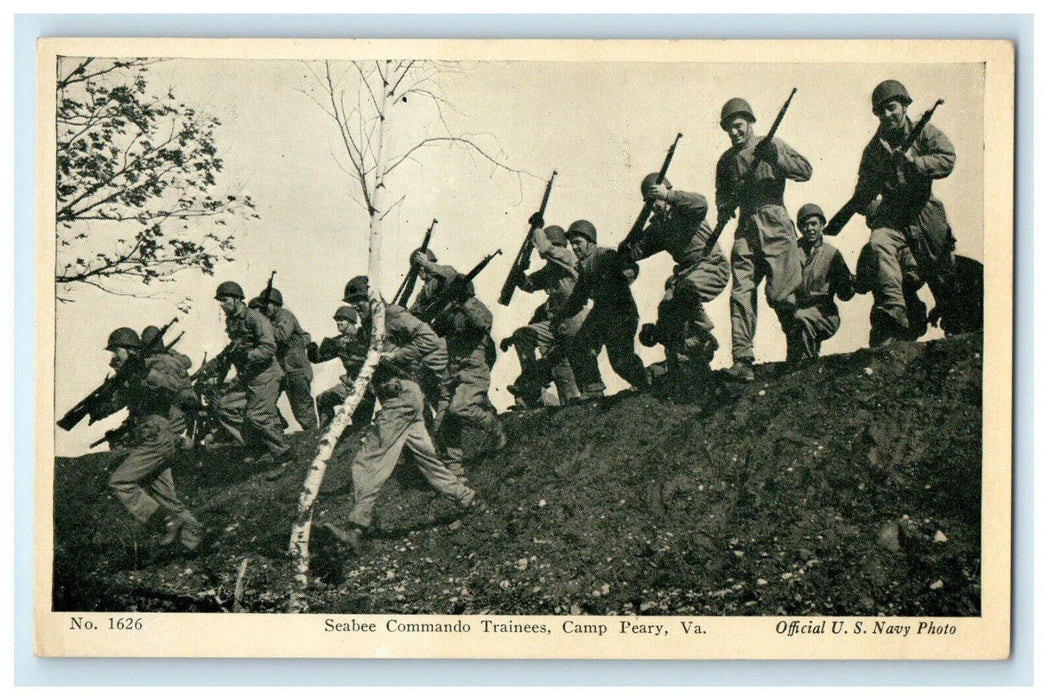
(299, 537)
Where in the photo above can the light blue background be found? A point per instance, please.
(33, 671)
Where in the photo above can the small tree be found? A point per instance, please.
(136, 192)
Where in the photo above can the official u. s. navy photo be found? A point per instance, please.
(421, 330)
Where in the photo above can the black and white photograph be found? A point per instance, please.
(565, 349)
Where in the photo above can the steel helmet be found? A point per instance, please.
(889, 90)
(808, 210)
(256, 303)
(556, 235)
(149, 334)
(734, 107)
(274, 296)
(123, 338)
(357, 289)
(346, 313)
(229, 289)
(584, 229)
(650, 180)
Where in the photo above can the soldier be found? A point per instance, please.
(465, 324)
(248, 410)
(557, 278)
(604, 277)
(409, 343)
(911, 243)
(143, 481)
(350, 347)
(435, 276)
(178, 364)
(291, 341)
(751, 176)
(824, 275)
(679, 226)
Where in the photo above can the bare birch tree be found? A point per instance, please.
(387, 113)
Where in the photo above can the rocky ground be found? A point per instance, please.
(852, 487)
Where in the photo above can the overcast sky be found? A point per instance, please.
(602, 125)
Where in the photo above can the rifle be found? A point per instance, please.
(646, 209)
(406, 287)
(103, 394)
(724, 217)
(111, 435)
(843, 216)
(523, 258)
(448, 295)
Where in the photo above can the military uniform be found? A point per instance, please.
(611, 323)
(291, 341)
(911, 242)
(143, 481)
(466, 328)
(699, 277)
(351, 349)
(764, 244)
(557, 278)
(824, 275)
(399, 423)
(248, 410)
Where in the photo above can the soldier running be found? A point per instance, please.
(143, 481)
(679, 227)
(911, 243)
(604, 277)
(248, 410)
(824, 275)
(751, 176)
(409, 344)
(350, 347)
(557, 278)
(291, 342)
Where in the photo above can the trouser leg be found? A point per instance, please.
(230, 413)
(262, 412)
(560, 369)
(378, 456)
(583, 355)
(621, 355)
(298, 392)
(743, 300)
(887, 246)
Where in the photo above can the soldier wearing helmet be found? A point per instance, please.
(291, 341)
(410, 348)
(605, 277)
(435, 276)
(248, 410)
(751, 177)
(349, 346)
(143, 482)
(679, 226)
(557, 279)
(911, 243)
(824, 276)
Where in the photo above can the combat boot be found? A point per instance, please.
(741, 372)
(281, 461)
(352, 537)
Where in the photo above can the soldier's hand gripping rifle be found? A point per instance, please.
(523, 258)
(646, 209)
(406, 287)
(455, 292)
(864, 196)
(726, 215)
(96, 402)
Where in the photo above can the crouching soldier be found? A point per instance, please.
(465, 324)
(679, 227)
(350, 347)
(291, 342)
(399, 423)
(911, 243)
(824, 276)
(604, 277)
(143, 481)
(248, 411)
(557, 278)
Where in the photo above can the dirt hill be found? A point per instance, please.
(850, 487)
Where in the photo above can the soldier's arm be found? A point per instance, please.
(792, 163)
(725, 185)
(840, 278)
(935, 155)
(422, 339)
(329, 349)
(870, 177)
(283, 326)
(264, 347)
